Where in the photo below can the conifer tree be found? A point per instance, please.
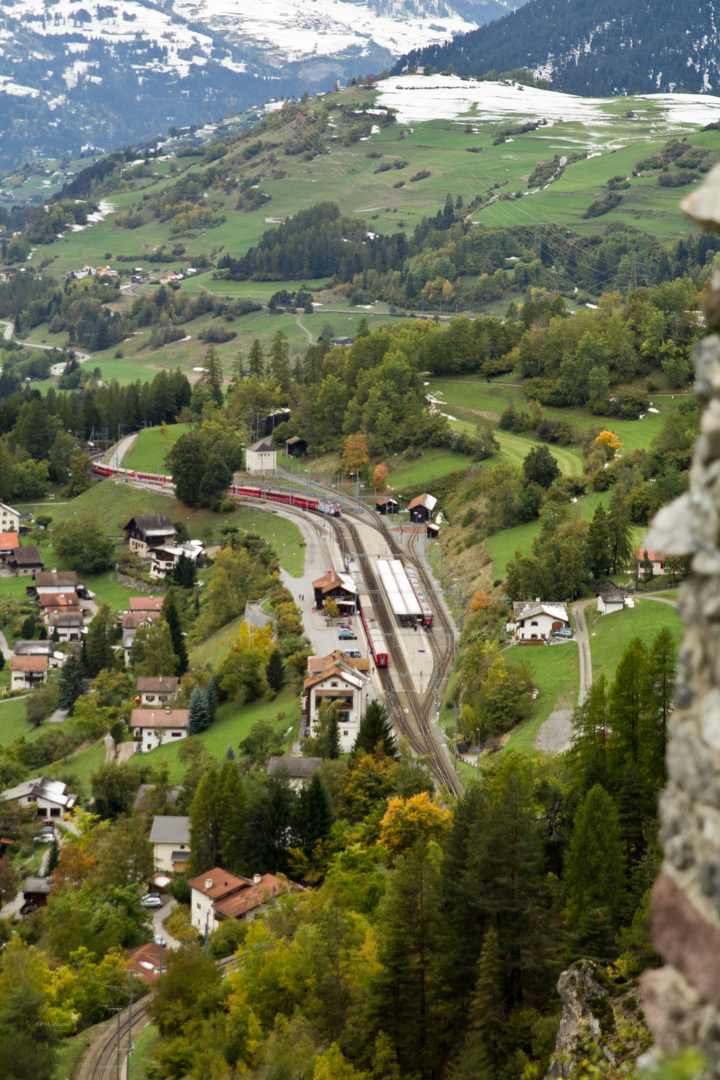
(230, 804)
(204, 822)
(279, 360)
(595, 861)
(198, 711)
(589, 747)
(212, 376)
(629, 701)
(375, 731)
(184, 572)
(53, 857)
(158, 654)
(662, 660)
(229, 754)
(211, 695)
(313, 814)
(256, 359)
(598, 541)
(71, 680)
(481, 1054)
(619, 531)
(172, 617)
(275, 671)
(99, 641)
(333, 745)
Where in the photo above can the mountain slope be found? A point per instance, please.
(622, 46)
(82, 74)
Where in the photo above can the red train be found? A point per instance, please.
(304, 502)
(376, 640)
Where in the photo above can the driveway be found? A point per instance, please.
(5, 648)
(583, 639)
(158, 914)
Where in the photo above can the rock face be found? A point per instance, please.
(577, 989)
(683, 1000)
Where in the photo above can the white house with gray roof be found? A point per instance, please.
(170, 838)
(535, 620)
(260, 457)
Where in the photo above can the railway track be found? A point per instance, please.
(107, 1058)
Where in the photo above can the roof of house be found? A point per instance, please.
(321, 663)
(337, 672)
(144, 960)
(29, 663)
(65, 618)
(9, 540)
(156, 684)
(428, 501)
(612, 596)
(42, 787)
(525, 609)
(59, 600)
(33, 648)
(170, 829)
(4, 506)
(298, 768)
(36, 885)
(131, 620)
(334, 580)
(653, 556)
(146, 603)
(180, 856)
(217, 883)
(253, 896)
(262, 446)
(27, 556)
(295, 439)
(60, 579)
(145, 792)
(159, 718)
(152, 525)
(383, 499)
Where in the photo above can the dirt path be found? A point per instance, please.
(304, 329)
(583, 639)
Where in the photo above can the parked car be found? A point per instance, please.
(151, 900)
(158, 939)
(346, 634)
(354, 653)
(45, 837)
(564, 632)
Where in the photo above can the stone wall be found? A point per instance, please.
(156, 589)
(682, 999)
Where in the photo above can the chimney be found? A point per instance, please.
(160, 678)
(208, 883)
(257, 878)
(537, 599)
(167, 710)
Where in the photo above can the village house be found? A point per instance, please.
(165, 559)
(40, 648)
(421, 509)
(145, 605)
(217, 895)
(170, 837)
(49, 798)
(55, 581)
(320, 663)
(131, 623)
(154, 727)
(537, 621)
(35, 892)
(68, 624)
(296, 446)
(8, 542)
(610, 600)
(26, 672)
(9, 519)
(157, 689)
(384, 504)
(340, 587)
(55, 603)
(144, 961)
(297, 770)
(658, 561)
(26, 561)
(146, 533)
(338, 683)
(260, 458)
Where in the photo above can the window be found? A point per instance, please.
(150, 697)
(345, 734)
(534, 622)
(176, 734)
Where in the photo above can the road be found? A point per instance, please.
(583, 640)
(118, 452)
(8, 331)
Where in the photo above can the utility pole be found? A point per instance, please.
(455, 747)
(477, 737)
(129, 1046)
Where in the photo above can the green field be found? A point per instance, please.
(432, 465)
(556, 673)
(214, 649)
(152, 445)
(232, 724)
(79, 767)
(142, 1051)
(13, 724)
(611, 634)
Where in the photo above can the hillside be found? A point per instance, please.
(64, 73)
(626, 47)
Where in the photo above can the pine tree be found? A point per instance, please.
(275, 671)
(231, 801)
(594, 938)
(158, 654)
(229, 754)
(629, 701)
(279, 360)
(204, 822)
(589, 747)
(184, 572)
(198, 712)
(256, 359)
(99, 641)
(333, 745)
(212, 376)
(53, 857)
(212, 698)
(480, 1057)
(598, 541)
(171, 616)
(661, 682)
(619, 531)
(313, 814)
(595, 861)
(71, 680)
(375, 731)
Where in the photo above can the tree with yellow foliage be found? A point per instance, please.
(609, 443)
(380, 476)
(480, 601)
(355, 453)
(244, 666)
(408, 820)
